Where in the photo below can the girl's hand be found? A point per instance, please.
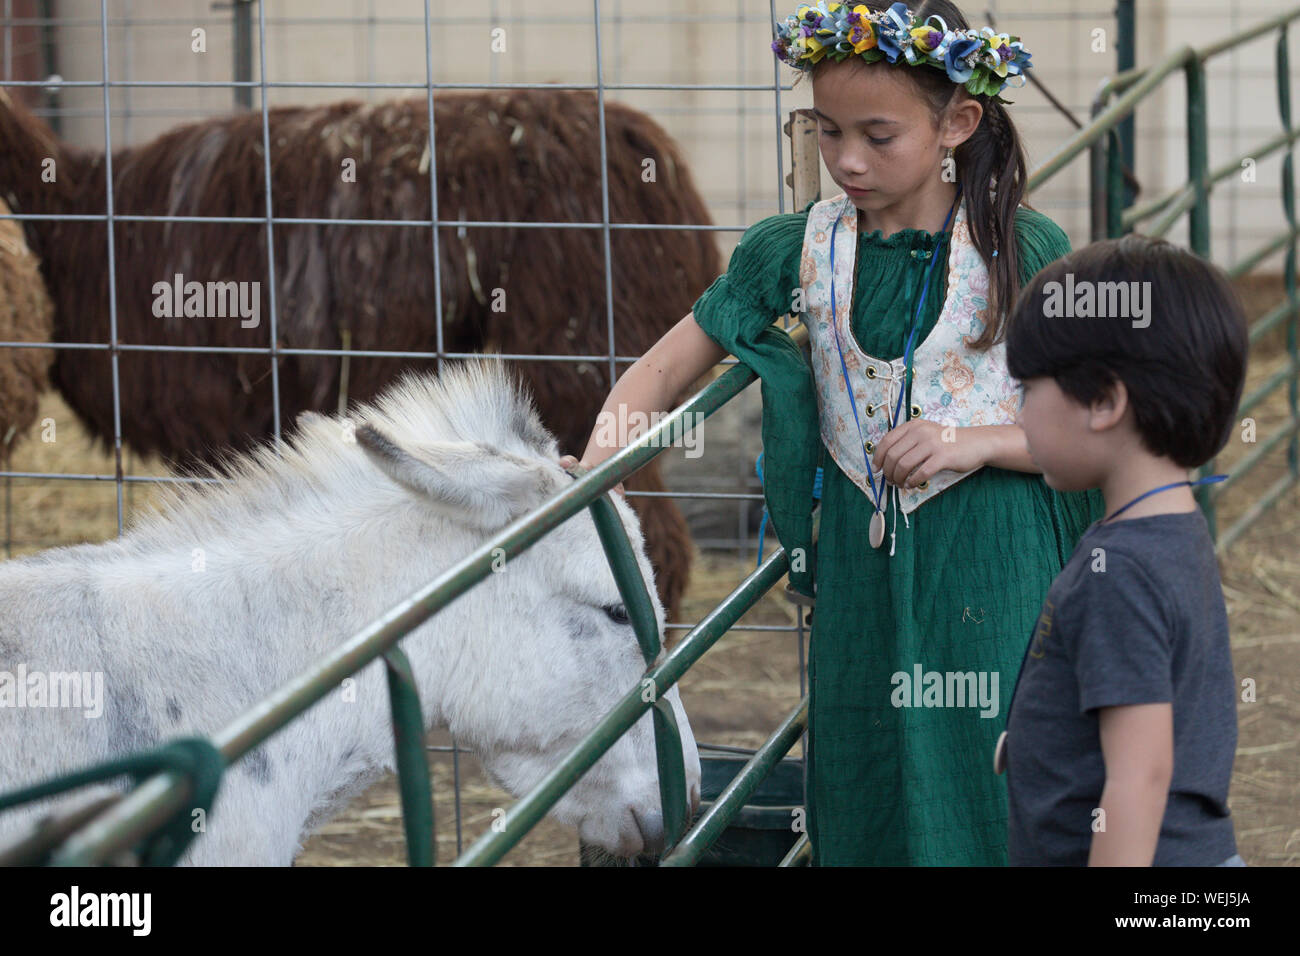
(568, 462)
(915, 452)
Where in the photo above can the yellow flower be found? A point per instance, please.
(996, 45)
(814, 49)
(868, 29)
(921, 37)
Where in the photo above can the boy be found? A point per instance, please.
(1122, 728)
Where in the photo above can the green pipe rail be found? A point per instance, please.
(126, 827)
(1115, 100)
(118, 828)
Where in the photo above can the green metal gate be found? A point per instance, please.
(150, 822)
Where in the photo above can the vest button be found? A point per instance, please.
(871, 409)
(870, 447)
(916, 411)
(923, 485)
(871, 371)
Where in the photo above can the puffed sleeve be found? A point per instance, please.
(759, 283)
(738, 311)
(1039, 241)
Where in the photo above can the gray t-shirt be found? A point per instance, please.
(1151, 627)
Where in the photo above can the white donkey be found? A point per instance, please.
(234, 589)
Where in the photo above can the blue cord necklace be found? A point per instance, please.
(877, 529)
(1176, 484)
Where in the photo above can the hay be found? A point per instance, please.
(26, 315)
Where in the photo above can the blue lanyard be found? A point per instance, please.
(907, 360)
(1177, 484)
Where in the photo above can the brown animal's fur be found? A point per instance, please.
(522, 156)
(26, 315)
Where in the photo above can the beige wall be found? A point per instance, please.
(729, 136)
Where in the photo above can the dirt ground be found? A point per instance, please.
(749, 682)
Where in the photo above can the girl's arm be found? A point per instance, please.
(919, 449)
(1137, 746)
(653, 383)
(1007, 447)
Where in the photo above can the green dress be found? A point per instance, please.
(895, 785)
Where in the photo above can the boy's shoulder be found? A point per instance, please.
(1153, 560)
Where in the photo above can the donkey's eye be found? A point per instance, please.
(617, 613)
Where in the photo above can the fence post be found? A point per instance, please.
(1199, 227)
(632, 587)
(1125, 60)
(1115, 189)
(412, 767)
(1288, 203)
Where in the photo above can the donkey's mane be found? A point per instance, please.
(476, 400)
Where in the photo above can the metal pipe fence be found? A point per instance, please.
(107, 83)
(133, 817)
(1113, 219)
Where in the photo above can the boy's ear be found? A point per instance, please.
(1108, 409)
(487, 486)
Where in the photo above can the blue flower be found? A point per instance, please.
(895, 34)
(1020, 63)
(956, 60)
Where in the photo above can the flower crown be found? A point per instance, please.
(983, 61)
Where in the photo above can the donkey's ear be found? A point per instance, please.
(491, 487)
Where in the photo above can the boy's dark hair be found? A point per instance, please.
(991, 167)
(1184, 371)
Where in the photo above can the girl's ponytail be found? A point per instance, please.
(992, 169)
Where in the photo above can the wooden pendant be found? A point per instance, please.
(877, 529)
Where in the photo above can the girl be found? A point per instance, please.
(904, 282)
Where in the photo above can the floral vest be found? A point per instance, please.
(951, 384)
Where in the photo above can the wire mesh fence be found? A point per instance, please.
(108, 75)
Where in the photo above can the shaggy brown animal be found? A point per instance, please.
(26, 315)
(522, 156)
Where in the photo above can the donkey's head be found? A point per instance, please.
(543, 648)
